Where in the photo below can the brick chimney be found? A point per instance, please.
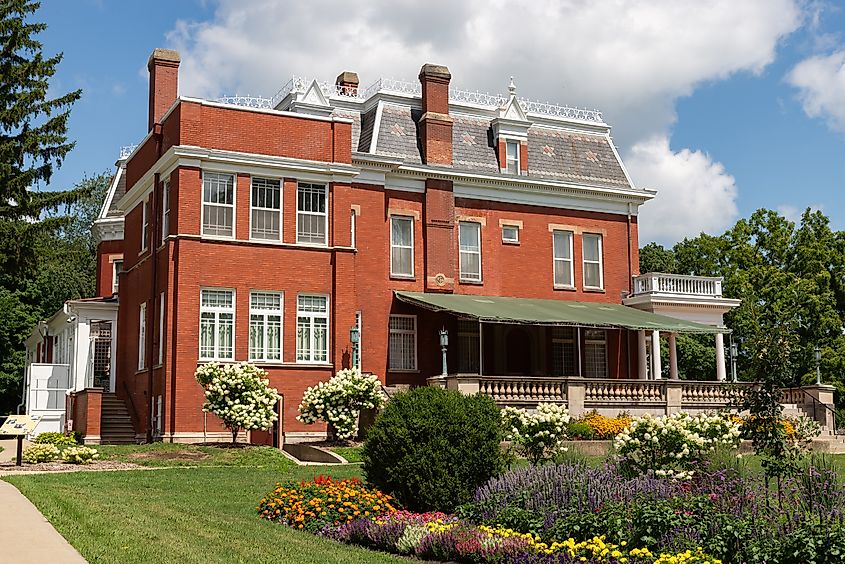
(164, 81)
(435, 124)
(347, 82)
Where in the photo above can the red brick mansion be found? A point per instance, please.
(431, 236)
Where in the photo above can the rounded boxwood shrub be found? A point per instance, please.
(431, 448)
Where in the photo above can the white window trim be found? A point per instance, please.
(462, 276)
(510, 226)
(115, 275)
(359, 324)
(570, 260)
(518, 158)
(234, 206)
(391, 331)
(324, 214)
(281, 209)
(600, 238)
(142, 335)
(312, 315)
(409, 219)
(165, 210)
(217, 311)
(145, 225)
(264, 313)
(160, 329)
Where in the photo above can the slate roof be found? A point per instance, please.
(553, 154)
(119, 191)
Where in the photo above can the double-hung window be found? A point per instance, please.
(117, 268)
(402, 342)
(401, 246)
(142, 336)
(218, 204)
(593, 274)
(595, 353)
(512, 158)
(469, 236)
(311, 215)
(165, 210)
(266, 209)
(265, 326)
(563, 351)
(562, 243)
(217, 324)
(160, 328)
(145, 225)
(312, 328)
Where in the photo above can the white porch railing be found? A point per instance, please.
(677, 284)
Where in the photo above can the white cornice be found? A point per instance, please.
(107, 229)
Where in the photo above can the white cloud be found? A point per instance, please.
(630, 58)
(696, 193)
(821, 84)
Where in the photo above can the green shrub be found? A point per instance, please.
(580, 430)
(58, 439)
(79, 455)
(431, 448)
(36, 453)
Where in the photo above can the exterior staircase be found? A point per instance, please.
(115, 422)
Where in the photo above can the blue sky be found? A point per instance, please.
(722, 108)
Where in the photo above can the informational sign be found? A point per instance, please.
(19, 424)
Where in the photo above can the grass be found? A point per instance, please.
(351, 454)
(201, 515)
(169, 455)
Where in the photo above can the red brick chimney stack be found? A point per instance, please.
(347, 83)
(435, 123)
(164, 83)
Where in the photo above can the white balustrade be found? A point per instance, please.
(678, 284)
(716, 394)
(624, 391)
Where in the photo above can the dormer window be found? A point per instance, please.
(513, 157)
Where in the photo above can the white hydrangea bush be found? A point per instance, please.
(673, 445)
(340, 400)
(35, 453)
(79, 455)
(536, 435)
(239, 394)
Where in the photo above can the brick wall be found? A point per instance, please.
(107, 253)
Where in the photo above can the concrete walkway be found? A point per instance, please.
(26, 537)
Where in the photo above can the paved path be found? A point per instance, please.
(10, 449)
(26, 537)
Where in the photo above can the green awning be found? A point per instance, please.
(495, 309)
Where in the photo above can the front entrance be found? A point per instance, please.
(101, 351)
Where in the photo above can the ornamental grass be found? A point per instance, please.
(323, 501)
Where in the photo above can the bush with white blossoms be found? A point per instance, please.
(239, 394)
(672, 445)
(339, 401)
(79, 455)
(537, 435)
(33, 454)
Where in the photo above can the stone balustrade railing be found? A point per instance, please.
(523, 390)
(677, 284)
(624, 390)
(711, 393)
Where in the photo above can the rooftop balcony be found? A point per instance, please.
(658, 283)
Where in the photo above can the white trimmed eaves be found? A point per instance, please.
(376, 128)
(619, 160)
(110, 195)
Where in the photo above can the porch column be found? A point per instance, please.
(656, 369)
(642, 355)
(673, 357)
(720, 357)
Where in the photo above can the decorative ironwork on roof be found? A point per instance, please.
(126, 150)
(394, 86)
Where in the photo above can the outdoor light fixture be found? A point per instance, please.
(734, 355)
(354, 338)
(818, 353)
(444, 344)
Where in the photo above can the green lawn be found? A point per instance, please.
(351, 454)
(169, 454)
(181, 515)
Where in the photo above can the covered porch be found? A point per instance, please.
(587, 355)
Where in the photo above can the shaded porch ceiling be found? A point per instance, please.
(496, 309)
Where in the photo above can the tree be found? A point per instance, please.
(340, 400)
(33, 140)
(656, 258)
(239, 395)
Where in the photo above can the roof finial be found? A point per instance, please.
(512, 87)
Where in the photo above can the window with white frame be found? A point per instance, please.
(512, 158)
(165, 210)
(402, 342)
(265, 326)
(312, 328)
(510, 233)
(468, 343)
(311, 215)
(160, 328)
(563, 272)
(266, 221)
(145, 225)
(469, 238)
(217, 324)
(218, 204)
(595, 353)
(401, 246)
(116, 269)
(563, 351)
(593, 272)
(142, 335)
